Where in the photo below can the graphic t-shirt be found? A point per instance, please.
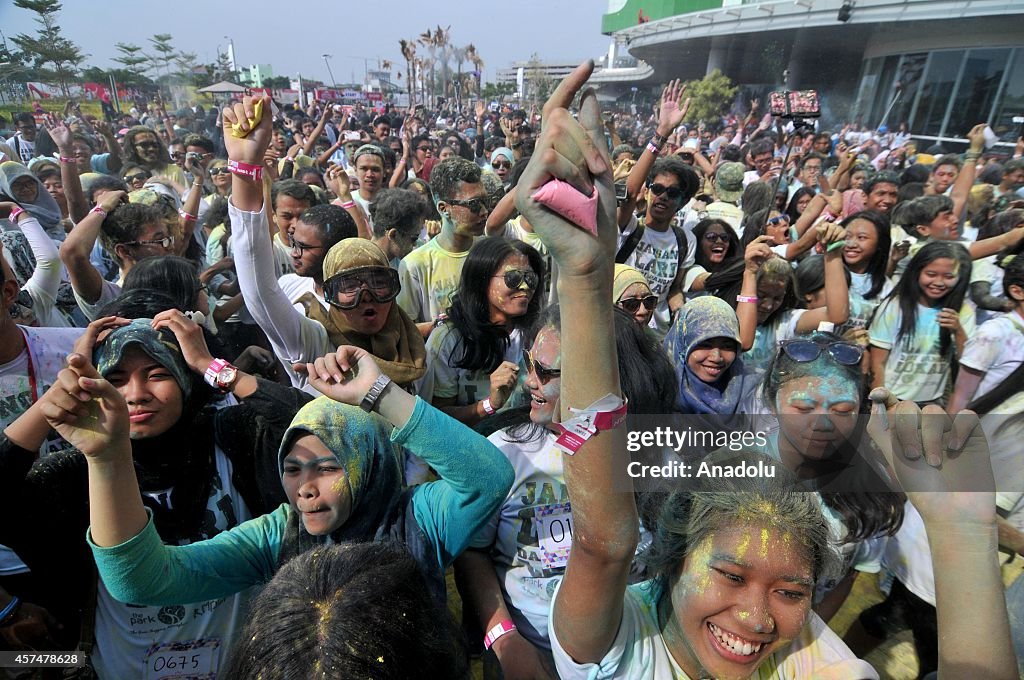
(531, 535)
(22, 381)
(639, 651)
(658, 258)
(444, 380)
(916, 370)
(177, 641)
(429, 276)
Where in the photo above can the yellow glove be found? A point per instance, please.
(236, 129)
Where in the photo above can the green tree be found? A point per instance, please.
(497, 91)
(49, 46)
(277, 82)
(164, 53)
(134, 61)
(710, 97)
(539, 84)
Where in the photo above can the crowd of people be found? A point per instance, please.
(267, 374)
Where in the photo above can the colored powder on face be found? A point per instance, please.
(764, 542)
(741, 548)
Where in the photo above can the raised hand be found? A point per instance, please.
(251, 148)
(503, 381)
(86, 410)
(61, 135)
(481, 109)
(932, 452)
(977, 137)
(673, 107)
(190, 337)
(575, 152)
(758, 252)
(345, 376)
(87, 341)
(338, 183)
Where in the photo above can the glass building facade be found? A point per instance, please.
(943, 93)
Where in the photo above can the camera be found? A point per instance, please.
(193, 156)
(620, 192)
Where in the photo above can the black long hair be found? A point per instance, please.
(731, 251)
(791, 206)
(865, 510)
(908, 293)
(877, 264)
(482, 343)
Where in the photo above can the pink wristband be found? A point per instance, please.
(246, 170)
(653, 148)
(100, 210)
(747, 298)
(347, 204)
(188, 216)
(606, 413)
(488, 409)
(499, 629)
(15, 211)
(65, 159)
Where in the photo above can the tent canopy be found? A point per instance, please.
(224, 87)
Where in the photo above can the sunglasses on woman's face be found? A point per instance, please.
(803, 351)
(776, 221)
(631, 305)
(514, 278)
(715, 237)
(674, 193)
(137, 177)
(543, 374)
(501, 165)
(218, 171)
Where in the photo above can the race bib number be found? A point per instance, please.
(196, 659)
(554, 528)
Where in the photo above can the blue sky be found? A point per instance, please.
(293, 35)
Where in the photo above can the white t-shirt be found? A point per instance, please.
(443, 380)
(915, 369)
(40, 362)
(176, 641)
(997, 350)
(658, 258)
(295, 286)
(527, 573)
(639, 651)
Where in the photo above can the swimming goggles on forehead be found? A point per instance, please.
(345, 290)
(804, 351)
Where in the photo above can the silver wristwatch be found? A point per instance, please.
(379, 385)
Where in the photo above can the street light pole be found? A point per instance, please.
(327, 58)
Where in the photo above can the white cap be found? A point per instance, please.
(826, 327)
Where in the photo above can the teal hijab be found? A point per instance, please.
(373, 464)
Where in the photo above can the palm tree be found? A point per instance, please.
(409, 52)
(478, 64)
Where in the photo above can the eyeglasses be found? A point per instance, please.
(166, 242)
(715, 237)
(137, 177)
(147, 145)
(674, 193)
(632, 305)
(501, 165)
(544, 374)
(514, 278)
(300, 246)
(219, 171)
(476, 205)
(344, 290)
(803, 351)
(178, 155)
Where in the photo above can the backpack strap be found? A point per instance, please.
(630, 244)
